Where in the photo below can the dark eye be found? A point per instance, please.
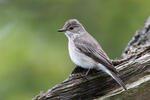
(71, 28)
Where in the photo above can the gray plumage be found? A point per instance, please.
(86, 52)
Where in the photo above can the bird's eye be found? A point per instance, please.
(71, 28)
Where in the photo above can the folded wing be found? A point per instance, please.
(94, 51)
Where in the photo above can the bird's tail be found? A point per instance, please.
(112, 74)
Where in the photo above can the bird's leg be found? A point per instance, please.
(87, 72)
(85, 75)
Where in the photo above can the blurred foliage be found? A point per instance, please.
(34, 57)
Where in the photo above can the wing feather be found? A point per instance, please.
(94, 51)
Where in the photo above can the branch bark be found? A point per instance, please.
(134, 67)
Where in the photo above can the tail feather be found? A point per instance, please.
(113, 75)
(119, 81)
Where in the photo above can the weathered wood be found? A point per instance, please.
(133, 67)
(141, 38)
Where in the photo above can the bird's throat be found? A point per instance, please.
(71, 35)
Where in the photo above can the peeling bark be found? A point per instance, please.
(134, 68)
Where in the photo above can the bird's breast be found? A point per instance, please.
(79, 58)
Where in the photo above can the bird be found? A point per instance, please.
(86, 52)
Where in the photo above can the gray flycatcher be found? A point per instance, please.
(86, 52)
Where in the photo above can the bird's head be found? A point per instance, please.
(72, 27)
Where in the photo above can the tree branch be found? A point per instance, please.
(133, 67)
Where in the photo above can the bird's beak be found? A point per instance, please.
(61, 30)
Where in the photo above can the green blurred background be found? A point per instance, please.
(34, 57)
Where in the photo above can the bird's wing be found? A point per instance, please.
(94, 51)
